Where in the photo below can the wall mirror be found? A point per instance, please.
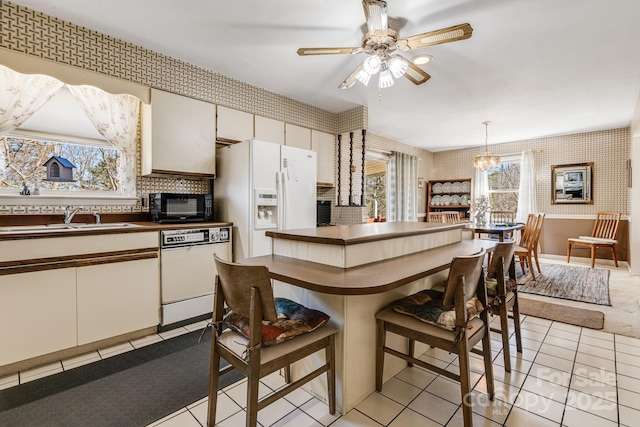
(572, 184)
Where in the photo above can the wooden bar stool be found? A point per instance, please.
(248, 293)
(465, 281)
(504, 297)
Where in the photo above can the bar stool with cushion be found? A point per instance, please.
(503, 296)
(257, 343)
(454, 321)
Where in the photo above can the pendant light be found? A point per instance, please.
(486, 162)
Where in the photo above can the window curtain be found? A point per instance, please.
(527, 189)
(402, 187)
(21, 95)
(116, 118)
(481, 184)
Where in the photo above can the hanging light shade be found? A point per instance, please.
(386, 66)
(398, 66)
(486, 161)
(385, 79)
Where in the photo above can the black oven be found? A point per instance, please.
(176, 208)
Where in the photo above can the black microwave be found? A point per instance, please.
(176, 208)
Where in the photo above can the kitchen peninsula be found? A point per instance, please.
(351, 272)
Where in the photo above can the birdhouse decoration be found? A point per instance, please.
(59, 169)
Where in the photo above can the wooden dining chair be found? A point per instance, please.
(502, 217)
(464, 282)
(603, 235)
(247, 292)
(504, 297)
(527, 249)
(444, 217)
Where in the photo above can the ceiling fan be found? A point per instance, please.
(380, 42)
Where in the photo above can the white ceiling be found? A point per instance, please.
(534, 68)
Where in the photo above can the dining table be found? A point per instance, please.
(499, 229)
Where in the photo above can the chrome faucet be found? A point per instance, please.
(97, 215)
(69, 213)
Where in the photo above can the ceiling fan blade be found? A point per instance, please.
(445, 35)
(415, 74)
(304, 51)
(375, 12)
(351, 80)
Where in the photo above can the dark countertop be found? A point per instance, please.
(144, 226)
(344, 235)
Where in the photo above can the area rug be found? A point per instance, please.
(567, 282)
(131, 389)
(561, 313)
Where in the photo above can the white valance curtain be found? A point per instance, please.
(21, 95)
(527, 190)
(402, 187)
(116, 118)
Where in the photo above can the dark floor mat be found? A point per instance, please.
(130, 389)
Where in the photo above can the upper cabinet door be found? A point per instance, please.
(269, 130)
(234, 125)
(324, 144)
(178, 135)
(297, 136)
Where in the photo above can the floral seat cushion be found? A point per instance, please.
(293, 319)
(427, 306)
(492, 286)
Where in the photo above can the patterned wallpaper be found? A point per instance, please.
(608, 150)
(30, 32)
(33, 33)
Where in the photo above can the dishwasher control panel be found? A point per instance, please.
(195, 236)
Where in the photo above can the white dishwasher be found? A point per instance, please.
(187, 271)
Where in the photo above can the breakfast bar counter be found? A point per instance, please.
(361, 233)
(350, 273)
(367, 279)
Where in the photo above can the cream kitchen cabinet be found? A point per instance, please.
(57, 293)
(325, 146)
(297, 136)
(233, 125)
(37, 314)
(269, 130)
(178, 136)
(114, 299)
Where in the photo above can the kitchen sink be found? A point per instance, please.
(103, 226)
(48, 228)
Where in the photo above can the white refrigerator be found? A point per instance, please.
(261, 186)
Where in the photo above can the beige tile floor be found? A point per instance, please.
(566, 376)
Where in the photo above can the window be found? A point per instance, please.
(376, 185)
(24, 157)
(504, 184)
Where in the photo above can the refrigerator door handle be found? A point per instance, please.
(283, 199)
(280, 199)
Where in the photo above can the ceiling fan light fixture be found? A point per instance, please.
(371, 65)
(363, 77)
(422, 59)
(397, 65)
(385, 79)
(486, 161)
